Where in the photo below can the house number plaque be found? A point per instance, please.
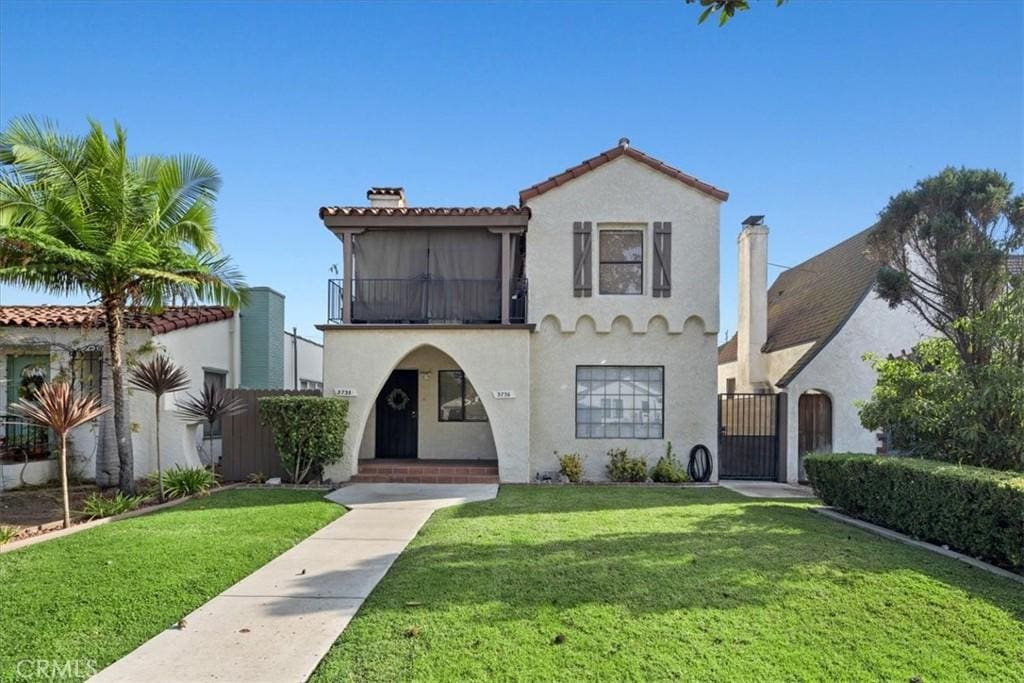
(344, 391)
(504, 393)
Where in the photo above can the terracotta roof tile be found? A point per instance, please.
(392, 191)
(423, 211)
(171, 318)
(585, 167)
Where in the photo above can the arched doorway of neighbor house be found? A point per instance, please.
(814, 422)
(428, 412)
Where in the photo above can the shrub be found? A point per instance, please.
(571, 466)
(974, 510)
(309, 431)
(934, 405)
(7, 534)
(624, 467)
(668, 469)
(186, 481)
(98, 505)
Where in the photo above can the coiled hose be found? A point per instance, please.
(699, 466)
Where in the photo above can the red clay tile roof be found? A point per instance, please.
(614, 153)
(423, 211)
(812, 301)
(175, 318)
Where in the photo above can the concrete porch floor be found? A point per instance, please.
(767, 489)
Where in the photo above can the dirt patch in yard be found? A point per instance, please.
(32, 508)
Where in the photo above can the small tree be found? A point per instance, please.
(944, 248)
(309, 431)
(158, 376)
(55, 406)
(210, 405)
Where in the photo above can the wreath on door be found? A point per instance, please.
(397, 399)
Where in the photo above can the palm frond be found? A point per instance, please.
(54, 405)
(159, 375)
(210, 405)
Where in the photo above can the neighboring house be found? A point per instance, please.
(39, 343)
(303, 363)
(214, 345)
(806, 337)
(583, 319)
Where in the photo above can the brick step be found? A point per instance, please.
(421, 478)
(428, 470)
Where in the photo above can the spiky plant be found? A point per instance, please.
(209, 406)
(54, 405)
(159, 376)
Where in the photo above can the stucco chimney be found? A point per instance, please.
(386, 197)
(752, 329)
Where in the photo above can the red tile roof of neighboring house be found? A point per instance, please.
(423, 211)
(171, 318)
(811, 302)
(622, 149)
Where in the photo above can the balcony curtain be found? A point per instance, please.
(465, 273)
(443, 275)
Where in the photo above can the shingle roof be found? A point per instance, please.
(610, 155)
(172, 318)
(423, 211)
(811, 302)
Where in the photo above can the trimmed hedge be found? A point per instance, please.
(975, 510)
(309, 431)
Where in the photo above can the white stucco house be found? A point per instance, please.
(40, 343)
(215, 345)
(582, 319)
(804, 340)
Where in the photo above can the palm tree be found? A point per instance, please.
(55, 406)
(79, 216)
(209, 406)
(158, 376)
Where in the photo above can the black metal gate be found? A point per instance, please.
(748, 436)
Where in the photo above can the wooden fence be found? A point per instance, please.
(247, 447)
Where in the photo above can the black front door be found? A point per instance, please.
(396, 415)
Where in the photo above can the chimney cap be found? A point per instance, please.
(623, 142)
(754, 220)
(389, 191)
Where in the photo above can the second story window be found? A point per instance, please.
(621, 266)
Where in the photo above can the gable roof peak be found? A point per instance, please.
(624, 148)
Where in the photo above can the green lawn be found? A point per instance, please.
(608, 583)
(98, 594)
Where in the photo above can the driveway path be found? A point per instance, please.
(278, 622)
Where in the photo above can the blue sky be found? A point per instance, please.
(813, 114)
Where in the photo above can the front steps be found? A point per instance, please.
(397, 471)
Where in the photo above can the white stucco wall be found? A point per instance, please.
(840, 371)
(624, 191)
(437, 440)
(310, 361)
(212, 345)
(690, 407)
(361, 359)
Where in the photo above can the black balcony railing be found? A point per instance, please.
(22, 439)
(426, 300)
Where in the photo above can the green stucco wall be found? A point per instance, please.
(262, 342)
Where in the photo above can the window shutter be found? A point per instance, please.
(662, 259)
(582, 268)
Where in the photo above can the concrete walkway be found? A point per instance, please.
(768, 489)
(278, 622)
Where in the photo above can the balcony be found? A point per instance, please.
(427, 300)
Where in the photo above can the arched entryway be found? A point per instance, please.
(428, 410)
(814, 420)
